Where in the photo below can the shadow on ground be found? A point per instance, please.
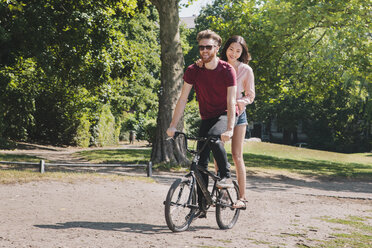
(116, 226)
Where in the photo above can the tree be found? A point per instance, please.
(310, 60)
(62, 61)
(171, 82)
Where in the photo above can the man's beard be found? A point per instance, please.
(209, 59)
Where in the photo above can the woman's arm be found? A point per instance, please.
(249, 90)
(231, 103)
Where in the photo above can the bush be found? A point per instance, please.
(7, 144)
(82, 137)
(143, 126)
(129, 123)
(192, 118)
(150, 131)
(107, 130)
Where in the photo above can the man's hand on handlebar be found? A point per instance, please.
(171, 131)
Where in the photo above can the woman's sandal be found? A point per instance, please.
(240, 204)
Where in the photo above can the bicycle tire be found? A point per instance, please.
(226, 215)
(178, 213)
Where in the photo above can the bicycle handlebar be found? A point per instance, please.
(206, 139)
(210, 137)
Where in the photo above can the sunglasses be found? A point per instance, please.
(208, 47)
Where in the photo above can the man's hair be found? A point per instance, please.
(209, 34)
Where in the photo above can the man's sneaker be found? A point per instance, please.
(225, 183)
(200, 214)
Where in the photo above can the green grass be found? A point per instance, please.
(306, 161)
(304, 154)
(349, 240)
(318, 168)
(24, 176)
(353, 221)
(360, 234)
(19, 158)
(261, 155)
(128, 156)
(257, 156)
(11, 174)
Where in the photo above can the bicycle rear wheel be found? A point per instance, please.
(180, 205)
(226, 215)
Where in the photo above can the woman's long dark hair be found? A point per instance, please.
(245, 57)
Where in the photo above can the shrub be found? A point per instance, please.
(192, 118)
(7, 144)
(128, 123)
(82, 137)
(150, 131)
(107, 129)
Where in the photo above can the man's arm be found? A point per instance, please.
(180, 107)
(231, 102)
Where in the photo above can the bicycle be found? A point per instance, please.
(181, 204)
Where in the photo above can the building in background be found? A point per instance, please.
(188, 21)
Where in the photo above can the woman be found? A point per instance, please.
(235, 52)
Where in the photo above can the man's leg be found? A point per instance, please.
(204, 155)
(218, 148)
(220, 155)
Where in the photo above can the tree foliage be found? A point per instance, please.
(65, 63)
(312, 65)
(62, 61)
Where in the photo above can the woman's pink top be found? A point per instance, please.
(245, 83)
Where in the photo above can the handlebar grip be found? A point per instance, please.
(176, 134)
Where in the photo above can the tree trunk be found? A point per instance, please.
(286, 136)
(164, 150)
(295, 136)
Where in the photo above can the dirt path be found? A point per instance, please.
(282, 212)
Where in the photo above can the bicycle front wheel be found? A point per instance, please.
(180, 205)
(226, 215)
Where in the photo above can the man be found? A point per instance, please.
(132, 136)
(215, 87)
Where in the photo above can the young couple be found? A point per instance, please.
(219, 85)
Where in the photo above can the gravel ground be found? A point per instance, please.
(283, 211)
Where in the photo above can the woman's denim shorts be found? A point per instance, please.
(242, 119)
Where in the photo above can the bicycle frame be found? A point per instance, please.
(195, 169)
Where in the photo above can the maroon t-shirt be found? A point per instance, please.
(211, 87)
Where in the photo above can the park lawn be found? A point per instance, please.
(257, 156)
(19, 158)
(11, 176)
(306, 161)
(359, 232)
(268, 156)
(304, 154)
(113, 156)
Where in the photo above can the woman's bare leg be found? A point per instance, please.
(237, 154)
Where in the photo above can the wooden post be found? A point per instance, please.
(42, 166)
(149, 169)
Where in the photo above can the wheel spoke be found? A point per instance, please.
(177, 206)
(226, 215)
